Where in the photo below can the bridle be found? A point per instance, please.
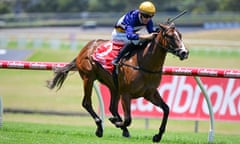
(170, 49)
(156, 42)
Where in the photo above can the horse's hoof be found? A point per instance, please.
(156, 138)
(99, 132)
(126, 134)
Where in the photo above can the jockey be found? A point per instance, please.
(126, 28)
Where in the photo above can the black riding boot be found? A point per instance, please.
(126, 48)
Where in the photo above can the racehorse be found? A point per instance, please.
(138, 75)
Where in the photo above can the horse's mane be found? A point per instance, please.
(138, 47)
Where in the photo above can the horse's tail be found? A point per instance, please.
(60, 75)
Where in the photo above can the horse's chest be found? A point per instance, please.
(150, 82)
(152, 79)
(138, 83)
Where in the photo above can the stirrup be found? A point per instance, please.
(115, 62)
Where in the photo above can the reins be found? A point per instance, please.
(142, 69)
(146, 70)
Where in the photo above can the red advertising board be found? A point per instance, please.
(186, 100)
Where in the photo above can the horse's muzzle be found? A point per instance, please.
(183, 54)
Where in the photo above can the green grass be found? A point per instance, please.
(44, 44)
(220, 127)
(29, 133)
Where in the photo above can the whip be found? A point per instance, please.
(170, 20)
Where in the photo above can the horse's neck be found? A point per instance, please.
(153, 57)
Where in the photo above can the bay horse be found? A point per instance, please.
(139, 75)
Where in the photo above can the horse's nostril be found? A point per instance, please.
(183, 53)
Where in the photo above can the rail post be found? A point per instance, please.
(211, 131)
(100, 100)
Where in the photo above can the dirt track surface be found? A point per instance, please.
(67, 32)
(14, 54)
(58, 32)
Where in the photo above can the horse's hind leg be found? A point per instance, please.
(158, 101)
(127, 116)
(114, 99)
(87, 104)
(114, 110)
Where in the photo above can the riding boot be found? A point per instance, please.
(126, 48)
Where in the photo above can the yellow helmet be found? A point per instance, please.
(147, 7)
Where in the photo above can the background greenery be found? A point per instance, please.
(29, 6)
(33, 13)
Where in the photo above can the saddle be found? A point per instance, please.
(106, 52)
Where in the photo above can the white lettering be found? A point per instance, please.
(133, 106)
(183, 87)
(229, 98)
(171, 87)
(158, 109)
(219, 95)
(144, 106)
(239, 105)
(196, 96)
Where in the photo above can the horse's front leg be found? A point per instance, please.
(157, 100)
(162, 128)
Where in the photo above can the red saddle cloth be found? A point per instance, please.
(105, 53)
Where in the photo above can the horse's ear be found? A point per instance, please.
(172, 25)
(162, 26)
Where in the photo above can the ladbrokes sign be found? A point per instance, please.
(186, 100)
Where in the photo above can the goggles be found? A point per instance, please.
(146, 15)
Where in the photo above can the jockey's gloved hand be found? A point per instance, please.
(157, 30)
